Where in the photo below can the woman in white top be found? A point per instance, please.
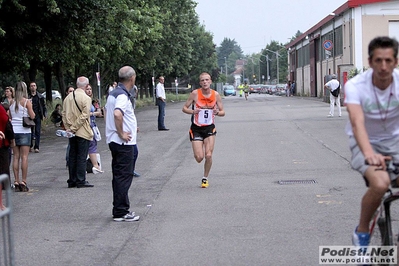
(93, 152)
(21, 107)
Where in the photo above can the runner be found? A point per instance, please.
(246, 89)
(207, 104)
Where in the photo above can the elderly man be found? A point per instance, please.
(75, 116)
(334, 87)
(121, 132)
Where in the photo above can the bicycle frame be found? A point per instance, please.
(383, 218)
(388, 225)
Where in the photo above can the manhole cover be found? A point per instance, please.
(294, 182)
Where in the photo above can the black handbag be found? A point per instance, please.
(26, 120)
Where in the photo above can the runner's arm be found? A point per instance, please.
(187, 106)
(220, 109)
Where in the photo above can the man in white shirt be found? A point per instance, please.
(161, 102)
(333, 86)
(372, 100)
(121, 133)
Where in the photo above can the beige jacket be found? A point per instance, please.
(75, 120)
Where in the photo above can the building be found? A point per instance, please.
(239, 72)
(338, 43)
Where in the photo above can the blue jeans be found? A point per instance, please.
(78, 151)
(161, 114)
(36, 132)
(122, 176)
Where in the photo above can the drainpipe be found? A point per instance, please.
(350, 38)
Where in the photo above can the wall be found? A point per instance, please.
(359, 26)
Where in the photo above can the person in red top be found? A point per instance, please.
(203, 104)
(6, 140)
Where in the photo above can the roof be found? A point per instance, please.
(356, 3)
(344, 7)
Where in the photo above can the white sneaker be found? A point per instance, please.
(129, 217)
(97, 171)
(330, 115)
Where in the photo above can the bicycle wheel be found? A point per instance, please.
(385, 229)
(391, 222)
(376, 234)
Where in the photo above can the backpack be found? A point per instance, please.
(335, 92)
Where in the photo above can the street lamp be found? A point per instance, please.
(277, 55)
(254, 76)
(267, 68)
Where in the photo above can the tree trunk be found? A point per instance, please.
(47, 82)
(32, 71)
(59, 74)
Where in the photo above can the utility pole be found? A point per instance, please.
(278, 72)
(225, 66)
(277, 58)
(268, 75)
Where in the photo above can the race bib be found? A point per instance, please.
(205, 116)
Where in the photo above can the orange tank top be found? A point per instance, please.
(205, 117)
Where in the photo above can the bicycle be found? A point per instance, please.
(382, 216)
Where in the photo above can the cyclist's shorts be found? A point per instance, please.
(388, 147)
(197, 133)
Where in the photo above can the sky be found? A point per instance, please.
(255, 23)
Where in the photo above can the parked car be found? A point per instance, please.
(263, 89)
(255, 88)
(271, 89)
(55, 94)
(229, 90)
(280, 89)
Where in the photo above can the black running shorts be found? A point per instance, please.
(197, 133)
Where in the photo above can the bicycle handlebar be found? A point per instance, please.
(391, 166)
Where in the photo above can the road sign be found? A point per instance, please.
(328, 52)
(328, 45)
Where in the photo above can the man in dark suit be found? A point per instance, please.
(39, 107)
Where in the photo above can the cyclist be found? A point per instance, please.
(372, 100)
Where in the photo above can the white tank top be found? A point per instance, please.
(16, 118)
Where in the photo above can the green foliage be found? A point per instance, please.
(354, 72)
(69, 38)
(276, 48)
(227, 54)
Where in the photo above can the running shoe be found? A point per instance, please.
(360, 239)
(205, 183)
(129, 217)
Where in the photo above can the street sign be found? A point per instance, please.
(328, 45)
(328, 52)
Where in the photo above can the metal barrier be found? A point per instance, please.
(6, 225)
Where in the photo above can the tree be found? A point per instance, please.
(68, 38)
(204, 55)
(271, 50)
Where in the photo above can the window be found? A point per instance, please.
(338, 46)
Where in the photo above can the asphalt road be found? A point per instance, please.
(245, 217)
